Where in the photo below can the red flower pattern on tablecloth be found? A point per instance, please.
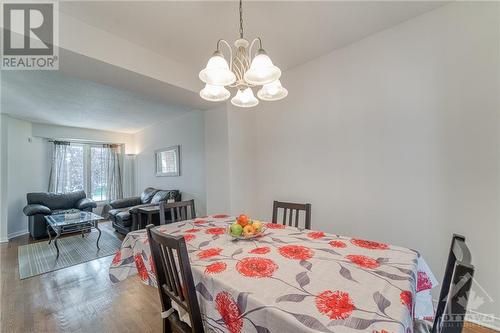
(141, 268)
(152, 265)
(406, 298)
(117, 258)
(423, 282)
(369, 244)
(220, 216)
(260, 250)
(216, 267)
(381, 331)
(198, 222)
(188, 237)
(316, 234)
(193, 230)
(363, 261)
(275, 226)
(336, 243)
(215, 231)
(256, 267)
(209, 253)
(229, 311)
(297, 252)
(335, 304)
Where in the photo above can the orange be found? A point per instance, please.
(242, 220)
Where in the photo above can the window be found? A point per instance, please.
(98, 173)
(75, 166)
(86, 169)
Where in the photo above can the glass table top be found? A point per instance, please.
(65, 219)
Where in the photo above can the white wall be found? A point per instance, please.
(217, 161)
(27, 171)
(188, 131)
(394, 138)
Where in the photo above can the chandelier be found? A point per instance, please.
(243, 72)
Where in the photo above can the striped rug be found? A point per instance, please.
(39, 258)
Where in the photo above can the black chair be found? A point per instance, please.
(175, 281)
(293, 209)
(453, 298)
(178, 211)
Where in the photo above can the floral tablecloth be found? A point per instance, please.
(292, 280)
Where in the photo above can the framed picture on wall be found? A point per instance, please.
(167, 161)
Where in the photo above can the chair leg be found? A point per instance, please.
(167, 328)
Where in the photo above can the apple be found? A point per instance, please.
(248, 230)
(236, 229)
(257, 226)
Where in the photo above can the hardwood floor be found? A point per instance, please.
(80, 299)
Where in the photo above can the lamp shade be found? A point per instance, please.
(245, 98)
(262, 70)
(217, 71)
(272, 91)
(214, 93)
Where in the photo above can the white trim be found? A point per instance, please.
(494, 324)
(4, 240)
(18, 233)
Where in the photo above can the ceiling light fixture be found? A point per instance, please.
(243, 72)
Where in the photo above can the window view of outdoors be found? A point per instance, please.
(74, 163)
(98, 177)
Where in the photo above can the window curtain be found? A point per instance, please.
(59, 171)
(114, 173)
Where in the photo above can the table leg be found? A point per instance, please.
(97, 227)
(139, 221)
(48, 232)
(150, 220)
(58, 233)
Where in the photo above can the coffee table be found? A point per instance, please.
(72, 222)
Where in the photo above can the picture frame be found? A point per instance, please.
(167, 162)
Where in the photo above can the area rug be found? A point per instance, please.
(39, 258)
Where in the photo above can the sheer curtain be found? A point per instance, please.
(59, 171)
(113, 155)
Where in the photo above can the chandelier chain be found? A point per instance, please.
(241, 19)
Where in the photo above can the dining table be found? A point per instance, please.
(290, 279)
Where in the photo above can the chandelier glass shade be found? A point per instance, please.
(244, 71)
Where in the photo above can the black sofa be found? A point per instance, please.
(41, 204)
(123, 212)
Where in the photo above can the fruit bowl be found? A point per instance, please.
(255, 235)
(245, 228)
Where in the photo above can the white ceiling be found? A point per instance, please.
(89, 93)
(293, 32)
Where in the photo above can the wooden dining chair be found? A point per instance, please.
(175, 281)
(178, 211)
(453, 298)
(293, 210)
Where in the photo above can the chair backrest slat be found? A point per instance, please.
(289, 209)
(457, 281)
(174, 276)
(178, 211)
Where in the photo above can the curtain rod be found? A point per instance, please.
(76, 141)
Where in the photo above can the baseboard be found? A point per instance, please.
(16, 234)
(482, 319)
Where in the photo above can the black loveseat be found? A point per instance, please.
(123, 212)
(44, 203)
